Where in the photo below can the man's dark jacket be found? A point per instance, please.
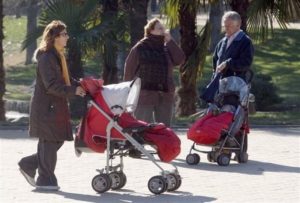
(238, 56)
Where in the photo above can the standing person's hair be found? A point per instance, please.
(150, 26)
(52, 31)
(232, 15)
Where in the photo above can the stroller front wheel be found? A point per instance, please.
(101, 183)
(157, 185)
(174, 182)
(118, 180)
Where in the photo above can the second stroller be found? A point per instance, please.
(225, 126)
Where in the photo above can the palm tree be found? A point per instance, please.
(261, 15)
(33, 7)
(195, 47)
(83, 28)
(215, 17)
(2, 71)
(137, 19)
(109, 43)
(241, 6)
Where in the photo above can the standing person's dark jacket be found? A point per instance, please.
(238, 56)
(174, 56)
(49, 113)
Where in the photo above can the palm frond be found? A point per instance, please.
(76, 17)
(262, 14)
(171, 8)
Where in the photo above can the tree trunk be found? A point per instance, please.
(186, 103)
(110, 69)
(241, 7)
(32, 12)
(215, 18)
(2, 71)
(74, 59)
(77, 104)
(137, 20)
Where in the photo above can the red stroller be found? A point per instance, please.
(225, 126)
(109, 125)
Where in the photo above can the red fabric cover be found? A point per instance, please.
(167, 142)
(207, 130)
(91, 85)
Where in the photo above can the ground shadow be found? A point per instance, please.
(252, 167)
(112, 197)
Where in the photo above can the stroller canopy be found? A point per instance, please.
(236, 85)
(123, 96)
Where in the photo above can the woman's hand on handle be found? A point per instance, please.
(80, 91)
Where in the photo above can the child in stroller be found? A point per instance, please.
(225, 125)
(109, 125)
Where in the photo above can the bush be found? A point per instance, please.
(265, 92)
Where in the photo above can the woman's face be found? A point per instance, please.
(62, 39)
(159, 29)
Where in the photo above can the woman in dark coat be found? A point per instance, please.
(153, 59)
(49, 112)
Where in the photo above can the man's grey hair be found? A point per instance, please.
(232, 15)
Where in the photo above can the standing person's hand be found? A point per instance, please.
(167, 35)
(221, 67)
(80, 91)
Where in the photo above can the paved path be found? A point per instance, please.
(271, 175)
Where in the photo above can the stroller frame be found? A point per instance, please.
(112, 178)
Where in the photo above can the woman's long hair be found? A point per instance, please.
(51, 31)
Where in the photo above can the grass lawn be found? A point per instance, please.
(14, 32)
(278, 57)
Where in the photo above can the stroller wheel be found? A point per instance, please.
(174, 182)
(192, 159)
(223, 159)
(118, 180)
(242, 157)
(157, 185)
(101, 183)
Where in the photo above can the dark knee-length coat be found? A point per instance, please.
(49, 112)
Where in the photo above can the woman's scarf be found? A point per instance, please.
(65, 71)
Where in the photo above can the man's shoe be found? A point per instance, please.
(48, 187)
(28, 178)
